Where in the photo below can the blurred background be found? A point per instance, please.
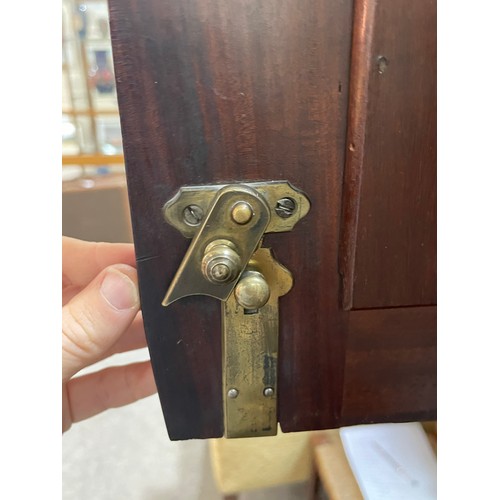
(95, 203)
(125, 453)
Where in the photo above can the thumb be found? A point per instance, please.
(96, 317)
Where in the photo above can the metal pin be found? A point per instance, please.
(268, 392)
(232, 393)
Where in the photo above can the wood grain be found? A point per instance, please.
(213, 91)
(390, 370)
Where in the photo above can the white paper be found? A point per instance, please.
(391, 461)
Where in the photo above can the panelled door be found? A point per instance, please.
(338, 98)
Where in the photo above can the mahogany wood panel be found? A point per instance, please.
(209, 91)
(388, 255)
(390, 370)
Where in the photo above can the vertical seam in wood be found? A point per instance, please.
(363, 22)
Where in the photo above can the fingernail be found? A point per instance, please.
(119, 290)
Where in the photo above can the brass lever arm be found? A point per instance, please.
(220, 250)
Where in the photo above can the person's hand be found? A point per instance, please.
(100, 317)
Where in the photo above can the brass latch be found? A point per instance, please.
(226, 261)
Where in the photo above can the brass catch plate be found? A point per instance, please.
(250, 355)
(199, 199)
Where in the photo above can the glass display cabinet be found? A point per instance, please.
(91, 135)
(94, 190)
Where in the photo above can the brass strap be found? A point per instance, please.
(250, 355)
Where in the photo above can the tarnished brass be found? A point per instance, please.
(221, 262)
(201, 197)
(242, 213)
(191, 277)
(252, 291)
(225, 260)
(250, 354)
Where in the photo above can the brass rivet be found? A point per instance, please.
(242, 213)
(232, 393)
(268, 392)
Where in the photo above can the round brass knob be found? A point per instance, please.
(242, 213)
(252, 291)
(221, 263)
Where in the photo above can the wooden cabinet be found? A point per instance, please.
(339, 98)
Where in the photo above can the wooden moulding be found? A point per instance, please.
(362, 37)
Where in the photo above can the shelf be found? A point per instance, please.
(98, 159)
(90, 112)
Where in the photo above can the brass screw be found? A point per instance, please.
(285, 207)
(193, 215)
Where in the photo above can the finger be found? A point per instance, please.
(83, 260)
(69, 291)
(109, 388)
(97, 317)
(134, 338)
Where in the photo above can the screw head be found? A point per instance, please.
(193, 215)
(268, 392)
(285, 207)
(242, 213)
(232, 393)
